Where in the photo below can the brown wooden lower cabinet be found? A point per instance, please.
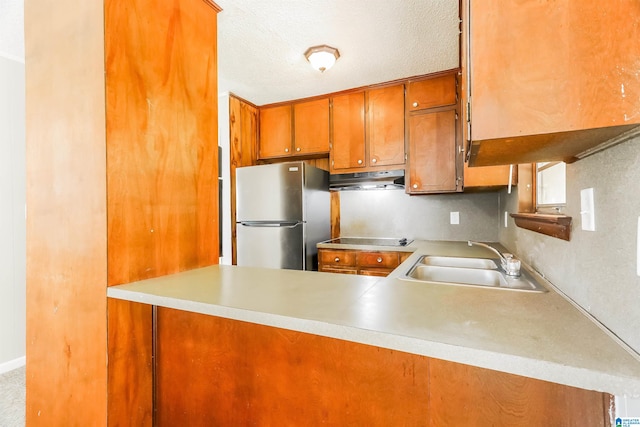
(215, 371)
(365, 263)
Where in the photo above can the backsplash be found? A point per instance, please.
(597, 269)
(393, 213)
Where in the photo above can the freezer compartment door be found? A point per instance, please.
(271, 245)
(270, 192)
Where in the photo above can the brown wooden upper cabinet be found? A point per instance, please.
(430, 93)
(347, 133)
(275, 132)
(368, 130)
(435, 150)
(299, 129)
(548, 80)
(311, 127)
(433, 153)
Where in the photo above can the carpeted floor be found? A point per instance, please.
(12, 398)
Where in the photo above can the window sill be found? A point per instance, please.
(558, 226)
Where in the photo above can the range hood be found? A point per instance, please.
(378, 180)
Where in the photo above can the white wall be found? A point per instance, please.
(12, 214)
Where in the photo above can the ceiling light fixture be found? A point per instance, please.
(322, 57)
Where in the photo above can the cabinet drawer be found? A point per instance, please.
(378, 259)
(378, 272)
(429, 93)
(339, 270)
(336, 258)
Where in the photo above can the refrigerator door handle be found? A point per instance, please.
(287, 224)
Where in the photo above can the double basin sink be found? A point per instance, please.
(483, 272)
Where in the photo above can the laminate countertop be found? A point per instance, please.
(536, 335)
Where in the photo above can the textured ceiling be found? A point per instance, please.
(261, 44)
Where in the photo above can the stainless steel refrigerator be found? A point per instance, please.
(282, 212)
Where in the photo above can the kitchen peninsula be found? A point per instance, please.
(246, 344)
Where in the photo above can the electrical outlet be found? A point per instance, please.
(587, 210)
(454, 217)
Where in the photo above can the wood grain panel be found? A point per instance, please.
(214, 371)
(275, 132)
(468, 396)
(543, 147)
(161, 138)
(488, 176)
(335, 214)
(432, 147)
(377, 259)
(347, 132)
(337, 257)
(66, 255)
(385, 126)
(311, 127)
(433, 92)
(243, 137)
(550, 67)
(130, 381)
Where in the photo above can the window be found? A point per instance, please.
(542, 199)
(551, 193)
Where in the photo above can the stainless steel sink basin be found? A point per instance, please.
(456, 275)
(482, 272)
(447, 261)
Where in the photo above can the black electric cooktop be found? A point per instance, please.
(373, 241)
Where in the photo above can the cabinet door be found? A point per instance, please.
(347, 145)
(433, 152)
(311, 127)
(550, 79)
(275, 132)
(385, 126)
(430, 93)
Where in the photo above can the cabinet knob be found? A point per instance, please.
(374, 160)
(379, 259)
(359, 162)
(415, 104)
(337, 259)
(286, 150)
(298, 149)
(415, 185)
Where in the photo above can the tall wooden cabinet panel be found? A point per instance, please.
(549, 80)
(243, 135)
(66, 251)
(347, 132)
(311, 127)
(433, 152)
(121, 186)
(275, 132)
(385, 126)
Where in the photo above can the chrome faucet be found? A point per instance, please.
(510, 265)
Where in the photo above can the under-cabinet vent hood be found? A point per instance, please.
(379, 180)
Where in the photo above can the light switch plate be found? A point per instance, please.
(506, 218)
(454, 217)
(638, 250)
(587, 210)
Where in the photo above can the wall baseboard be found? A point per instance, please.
(12, 364)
